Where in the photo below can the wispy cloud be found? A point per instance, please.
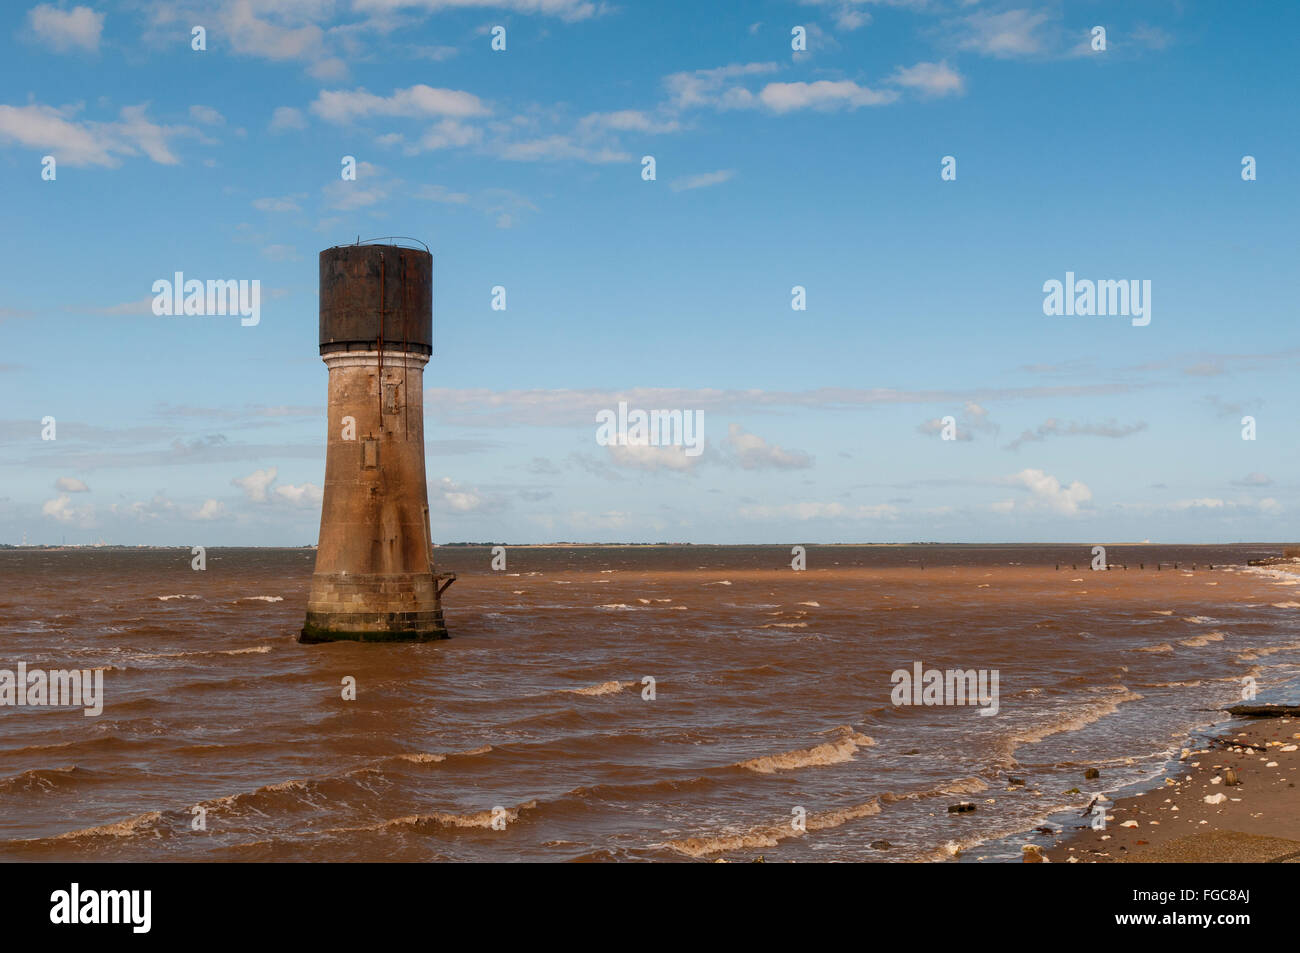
(414, 102)
(751, 452)
(286, 118)
(66, 30)
(930, 79)
(702, 180)
(1006, 34)
(564, 407)
(824, 94)
(79, 142)
(819, 511)
(1069, 428)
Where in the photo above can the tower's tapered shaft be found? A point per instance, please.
(374, 578)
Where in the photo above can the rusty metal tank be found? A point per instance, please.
(376, 294)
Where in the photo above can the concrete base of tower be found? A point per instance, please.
(372, 627)
(398, 607)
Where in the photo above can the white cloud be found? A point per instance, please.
(280, 253)
(818, 511)
(157, 506)
(848, 14)
(818, 41)
(331, 69)
(977, 417)
(752, 452)
(135, 128)
(62, 510)
(456, 498)
(1003, 35)
(1068, 428)
(627, 120)
(935, 425)
(207, 115)
(258, 488)
(210, 510)
(342, 106)
(824, 94)
(447, 134)
(563, 407)
(285, 118)
(255, 484)
(651, 457)
(703, 180)
(929, 79)
(350, 196)
(435, 53)
(303, 494)
(1207, 504)
(1046, 492)
(276, 205)
(80, 143)
(564, 9)
(249, 35)
(70, 485)
(440, 193)
(715, 87)
(610, 519)
(559, 147)
(139, 307)
(505, 206)
(972, 419)
(78, 28)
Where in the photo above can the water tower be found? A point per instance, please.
(375, 579)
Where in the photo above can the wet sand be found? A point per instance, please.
(1254, 821)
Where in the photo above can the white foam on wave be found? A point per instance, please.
(251, 650)
(603, 688)
(830, 752)
(770, 835)
(1198, 641)
(1076, 716)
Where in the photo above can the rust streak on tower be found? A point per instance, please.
(375, 578)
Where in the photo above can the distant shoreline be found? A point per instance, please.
(782, 545)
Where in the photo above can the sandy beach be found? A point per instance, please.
(1196, 815)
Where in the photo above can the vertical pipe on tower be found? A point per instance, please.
(375, 577)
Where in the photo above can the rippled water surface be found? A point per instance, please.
(772, 694)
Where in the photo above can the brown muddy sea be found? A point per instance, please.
(772, 701)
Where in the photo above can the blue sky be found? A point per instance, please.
(774, 168)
